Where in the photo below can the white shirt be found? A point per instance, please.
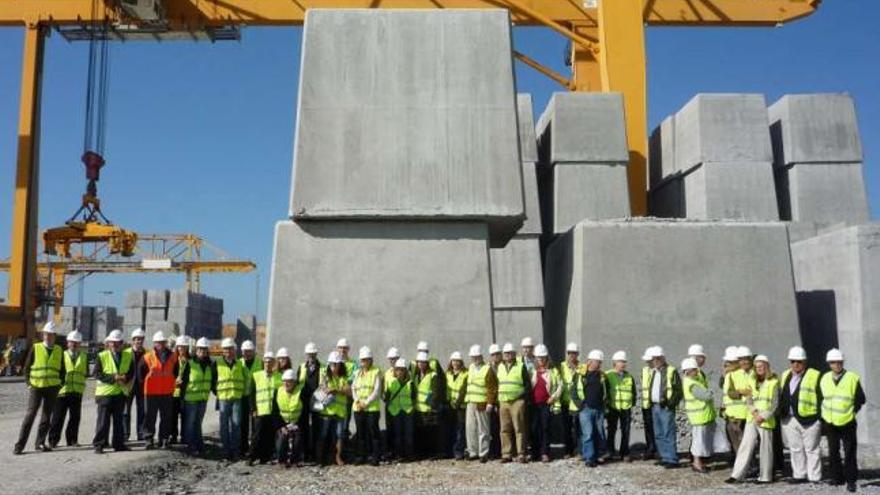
(655, 387)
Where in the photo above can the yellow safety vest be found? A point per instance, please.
(265, 387)
(256, 365)
(108, 366)
(568, 376)
(304, 371)
(424, 392)
(620, 390)
(364, 381)
(339, 406)
(389, 375)
(454, 384)
(230, 380)
(838, 400)
(808, 401)
(699, 412)
(510, 382)
(198, 388)
(75, 374)
(476, 384)
(737, 408)
(762, 398)
(181, 367)
(289, 403)
(399, 397)
(46, 368)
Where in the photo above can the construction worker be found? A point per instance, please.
(481, 396)
(433, 363)
(400, 397)
(799, 402)
(697, 352)
(495, 360)
(571, 424)
(546, 394)
(136, 397)
(309, 376)
(456, 390)
(392, 355)
(44, 373)
(230, 390)
(527, 353)
(335, 392)
(647, 418)
(343, 348)
(289, 404)
(731, 407)
(621, 399)
(430, 396)
(842, 399)
(700, 410)
(76, 368)
(178, 420)
(590, 395)
(282, 360)
(158, 372)
(114, 371)
(264, 383)
(736, 387)
(762, 399)
(197, 381)
(251, 365)
(666, 393)
(366, 391)
(513, 384)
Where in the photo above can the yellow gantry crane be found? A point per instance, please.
(607, 54)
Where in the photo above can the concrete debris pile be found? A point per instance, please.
(176, 312)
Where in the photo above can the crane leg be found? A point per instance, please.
(585, 73)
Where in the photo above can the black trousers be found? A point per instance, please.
(309, 424)
(648, 420)
(177, 420)
(161, 405)
(571, 430)
(430, 443)
(247, 421)
(37, 397)
(110, 410)
(495, 430)
(402, 427)
(263, 438)
(540, 430)
(622, 420)
(66, 404)
(848, 469)
(456, 433)
(136, 399)
(288, 445)
(369, 442)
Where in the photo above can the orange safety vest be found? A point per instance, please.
(160, 379)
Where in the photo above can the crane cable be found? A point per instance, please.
(97, 84)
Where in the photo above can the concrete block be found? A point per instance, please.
(135, 299)
(586, 191)
(134, 317)
(528, 141)
(824, 194)
(154, 315)
(182, 298)
(516, 274)
(104, 322)
(815, 128)
(731, 190)
(157, 299)
(666, 200)
(532, 224)
(840, 271)
(385, 132)
(661, 151)
(246, 329)
(381, 284)
(583, 128)
(637, 283)
(511, 325)
(722, 128)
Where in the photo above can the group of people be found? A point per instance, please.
(502, 407)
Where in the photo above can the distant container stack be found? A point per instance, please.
(176, 312)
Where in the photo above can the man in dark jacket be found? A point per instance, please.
(44, 374)
(590, 395)
(666, 392)
(136, 397)
(309, 374)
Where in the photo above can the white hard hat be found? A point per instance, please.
(541, 351)
(596, 355)
(696, 350)
(475, 351)
(572, 347)
(114, 336)
(74, 336)
(310, 348)
(202, 342)
(335, 358)
(393, 353)
(743, 352)
(342, 343)
(647, 356)
(422, 357)
(282, 353)
(138, 333)
(689, 363)
(658, 352)
(159, 337)
(422, 346)
(268, 355)
(619, 356)
(455, 356)
(494, 349)
(288, 375)
(730, 353)
(527, 342)
(761, 357)
(365, 353)
(49, 327)
(834, 355)
(797, 353)
(247, 345)
(227, 343)
(508, 347)
(183, 341)
(400, 363)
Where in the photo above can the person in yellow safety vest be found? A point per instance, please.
(730, 363)
(289, 404)
(621, 399)
(513, 392)
(456, 390)
(481, 397)
(700, 409)
(568, 371)
(645, 404)
(400, 397)
(665, 392)
(527, 353)
(230, 390)
(799, 403)
(309, 375)
(44, 374)
(842, 399)
(76, 368)
(430, 399)
(197, 382)
(336, 392)
(366, 392)
(342, 348)
(590, 395)
(392, 355)
(546, 394)
(762, 400)
(495, 360)
(264, 383)
(735, 410)
(251, 365)
(114, 372)
(182, 347)
(697, 352)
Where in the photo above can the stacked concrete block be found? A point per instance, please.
(712, 160)
(194, 314)
(136, 299)
(246, 329)
(67, 319)
(818, 162)
(528, 145)
(103, 322)
(837, 275)
(157, 299)
(583, 152)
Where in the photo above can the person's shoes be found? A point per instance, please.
(459, 457)
(251, 462)
(591, 464)
(659, 463)
(545, 458)
(671, 465)
(505, 460)
(731, 481)
(523, 459)
(797, 481)
(74, 445)
(150, 445)
(835, 482)
(53, 445)
(17, 450)
(99, 449)
(851, 487)
(484, 459)
(44, 448)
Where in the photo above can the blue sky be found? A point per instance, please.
(200, 136)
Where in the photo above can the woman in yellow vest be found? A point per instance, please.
(762, 400)
(621, 399)
(366, 390)
(288, 403)
(400, 398)
(262, 407)
(456, 389)
(332, 403)
(430, 397)
(842, 398)
(546, 391)
(197, 382)
(700, 410)
(178, 421)
(70, 395)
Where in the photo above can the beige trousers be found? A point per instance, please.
(477, 431)
(803, 444)
(752, 437)
(513, 428)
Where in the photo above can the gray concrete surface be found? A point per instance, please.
(815, 128)
(532, 224)
(157, 299)
(730, 190)
(380, 284)
(583, 191)
(583, 127)
(666, 199)
(516, 274)
(528, 141)
(512, 325)
(823, 194)
(661, 152)
(135, 299)
(386, 132)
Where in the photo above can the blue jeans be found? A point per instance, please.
(592, 433)
(194, 412)
(230, 427)
(664, 433)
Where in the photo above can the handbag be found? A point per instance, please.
(320, 400)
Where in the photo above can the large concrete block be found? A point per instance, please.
(133, 317)
(511, 325)
(631, 284)
(532, 225)
(154, 315)
(840, 271)
(661, 152)
(667, 200)
(823, 194)
(730, 190)
(246, 329)
(815, 128)
(387, 131)
(157, 299)
(528, 141)
(516, 274)
(583, 127)
(135, 299)
(584, 191)
(182, 298)
(380, 284)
